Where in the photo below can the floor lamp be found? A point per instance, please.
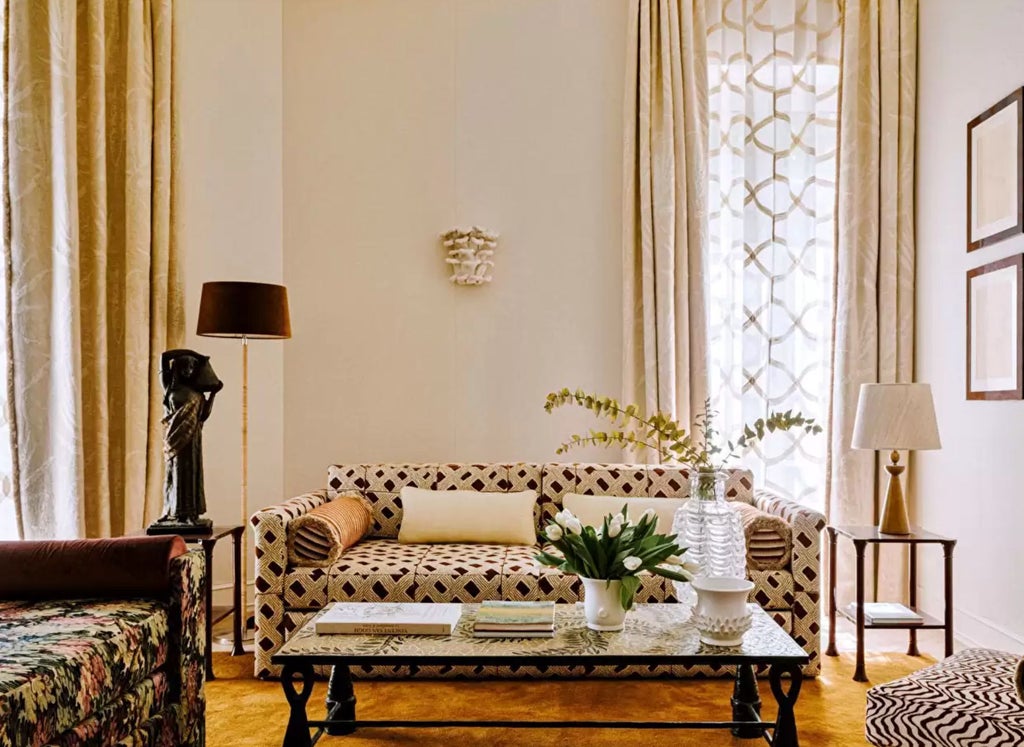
(245, 311)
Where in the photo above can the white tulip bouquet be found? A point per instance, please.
(618, 550)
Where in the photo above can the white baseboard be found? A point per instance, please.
(977, 632)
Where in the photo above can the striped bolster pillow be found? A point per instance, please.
(769, 539)
(318, 538)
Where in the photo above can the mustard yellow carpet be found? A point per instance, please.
(245, 711)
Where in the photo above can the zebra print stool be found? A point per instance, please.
(969, 699)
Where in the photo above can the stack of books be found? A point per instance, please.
(388, 618)
(886, 613)
(515, 620)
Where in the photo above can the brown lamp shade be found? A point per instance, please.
(241, 309)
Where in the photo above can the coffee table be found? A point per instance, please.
(655, 634)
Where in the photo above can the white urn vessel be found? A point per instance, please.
(721, 615)
(602, 604)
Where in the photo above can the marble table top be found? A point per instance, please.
(653, 633)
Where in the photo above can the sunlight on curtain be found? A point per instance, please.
(773, 70)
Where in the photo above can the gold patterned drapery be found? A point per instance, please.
(874, 319)
(664, 220)
(773, 72)
(93, 276)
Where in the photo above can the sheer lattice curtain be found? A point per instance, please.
(773, 70)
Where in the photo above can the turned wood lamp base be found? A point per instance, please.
(894, 510)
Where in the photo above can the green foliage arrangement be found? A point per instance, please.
(617, 550)
(665, 437)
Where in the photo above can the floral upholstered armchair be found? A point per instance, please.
(101, 642)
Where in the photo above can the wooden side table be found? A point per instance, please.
(216, 614)
(862, 537)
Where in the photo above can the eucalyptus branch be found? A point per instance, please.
(664, 436)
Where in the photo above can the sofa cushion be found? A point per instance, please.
(467, 516)
(318, 538)
(118, 568)
(967, 699)
(460, 573)
(591, 509)
(62, 661)
(375, 570)
(769, 538)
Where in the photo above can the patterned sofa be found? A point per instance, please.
(117, 671)
(380, 569)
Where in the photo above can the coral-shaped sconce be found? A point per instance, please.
(470, 254)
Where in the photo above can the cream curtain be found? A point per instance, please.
(874, 319)
(774, 95)
(93, 276)
(665, 222)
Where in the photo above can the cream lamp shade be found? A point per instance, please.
(896, 416)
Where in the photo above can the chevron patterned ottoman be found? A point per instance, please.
(969, 699)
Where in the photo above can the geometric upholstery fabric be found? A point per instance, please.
(378, 568)
(967, 699)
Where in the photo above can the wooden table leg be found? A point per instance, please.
(208, 545)
(341, 700)
(297, 733)
(859, 675)
(785, 723)
(831, 650)
(947, 550)
(912, 646)
(237, 649)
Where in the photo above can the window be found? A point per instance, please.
(773, 72)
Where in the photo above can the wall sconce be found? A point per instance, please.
(470, 254)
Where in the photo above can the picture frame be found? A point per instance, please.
(995, 330)
(995, 173)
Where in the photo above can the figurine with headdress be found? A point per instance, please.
(190, 386)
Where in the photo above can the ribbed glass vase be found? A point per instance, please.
(712, 532)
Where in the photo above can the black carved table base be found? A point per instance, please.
(297, 681)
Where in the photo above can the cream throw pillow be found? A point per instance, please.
(467, 516)
(591, 509)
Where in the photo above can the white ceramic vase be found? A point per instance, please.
(721, 615)
(602, 604)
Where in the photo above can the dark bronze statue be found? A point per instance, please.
(190, 386)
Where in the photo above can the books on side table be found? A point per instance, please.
(388, 618)
(515, 620)
(882, 613)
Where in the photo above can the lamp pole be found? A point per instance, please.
(245, 478)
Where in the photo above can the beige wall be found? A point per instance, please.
(230, 77)
(401, 120)
(970, 57)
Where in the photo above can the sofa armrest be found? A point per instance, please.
(270, 525)
(807, 525)
(186, 665)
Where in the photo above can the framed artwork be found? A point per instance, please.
(995, 173)
(995, 320)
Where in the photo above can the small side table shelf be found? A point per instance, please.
(216, 614)
(862, 537)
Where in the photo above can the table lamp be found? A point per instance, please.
(895, 417)
(245, 311)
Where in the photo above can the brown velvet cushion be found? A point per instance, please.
(769, 538)
(1018, 680)
(119, 568)
(319, 537)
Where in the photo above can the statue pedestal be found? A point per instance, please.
(168, 526)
